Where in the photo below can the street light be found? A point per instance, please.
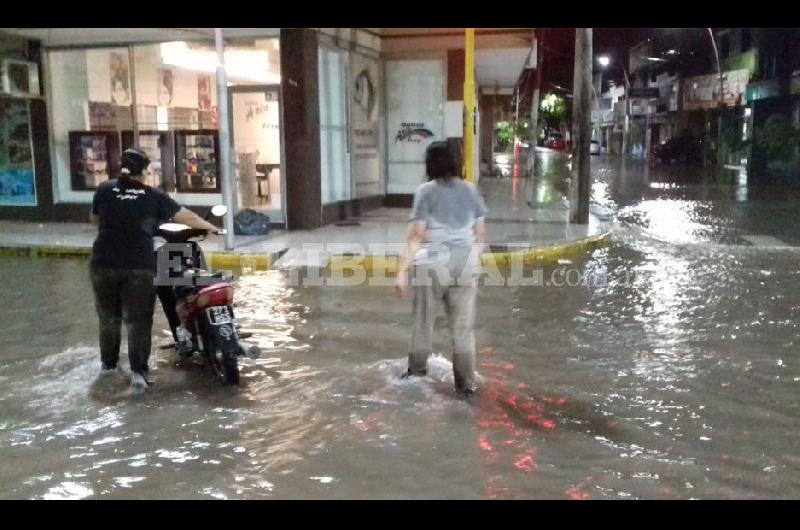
(603, 61)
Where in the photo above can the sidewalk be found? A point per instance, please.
(536, 231)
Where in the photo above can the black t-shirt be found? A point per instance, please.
(129, 217)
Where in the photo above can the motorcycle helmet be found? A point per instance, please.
(134, 162)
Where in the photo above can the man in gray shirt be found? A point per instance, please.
(445, 235)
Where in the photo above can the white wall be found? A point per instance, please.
(454, 119)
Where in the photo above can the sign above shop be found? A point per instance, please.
(703, 92)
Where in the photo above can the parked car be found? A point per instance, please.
(555, 141)
(594, 147)
(683, 148)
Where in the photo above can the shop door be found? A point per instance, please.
(257, 149)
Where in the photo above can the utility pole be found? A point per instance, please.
(581, 126)
(627, 124)
(720, 99)
(225, 166)
(539, 43)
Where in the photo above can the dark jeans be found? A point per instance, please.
(122, 294)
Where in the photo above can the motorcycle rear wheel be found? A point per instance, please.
(224, 364)
(230, 369)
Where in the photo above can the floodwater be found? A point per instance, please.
(665, 370)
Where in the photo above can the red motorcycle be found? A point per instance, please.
(199, 304)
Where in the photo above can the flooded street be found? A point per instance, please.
(668, 371)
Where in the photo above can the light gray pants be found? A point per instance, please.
(453, 282)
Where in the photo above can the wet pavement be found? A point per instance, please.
(662, 367)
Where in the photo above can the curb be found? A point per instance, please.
(46, 252)
(216, 260)
(232, 260)
(387, 264)
(549, 255)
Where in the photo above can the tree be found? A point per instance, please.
(554, 110)
(504, 133)
(779, 138)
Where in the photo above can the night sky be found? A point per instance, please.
(559, 50)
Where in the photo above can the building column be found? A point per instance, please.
(301, 128)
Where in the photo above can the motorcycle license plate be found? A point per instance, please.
(219, 315)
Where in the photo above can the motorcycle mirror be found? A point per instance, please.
(219, 210)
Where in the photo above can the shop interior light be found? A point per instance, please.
(252, 65)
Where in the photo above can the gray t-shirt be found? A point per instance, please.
(450, 209)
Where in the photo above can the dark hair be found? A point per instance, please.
(135, 161)
(439, 161)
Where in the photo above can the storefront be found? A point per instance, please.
(97, 100)
(168, 91)
(325, 123)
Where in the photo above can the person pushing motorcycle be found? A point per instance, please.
(123, 263)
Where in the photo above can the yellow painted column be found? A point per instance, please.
(469, 105)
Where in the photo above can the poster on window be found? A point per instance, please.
(204, 92)
(415, 119)
(16, 155)
(365, 116)
(166, 87)
(120, 79)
